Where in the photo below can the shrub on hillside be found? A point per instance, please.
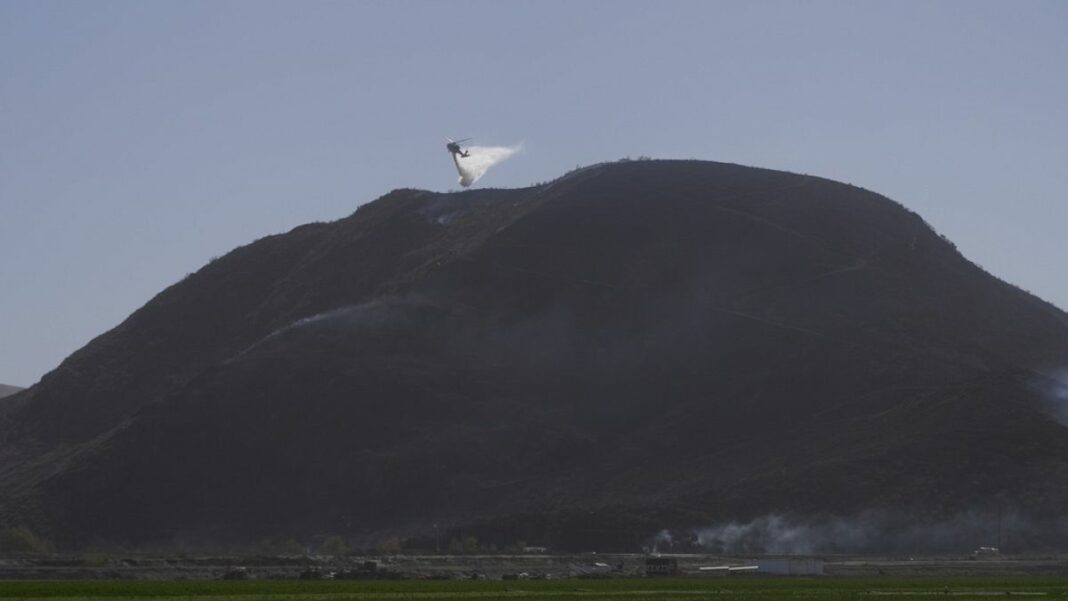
(21, 539)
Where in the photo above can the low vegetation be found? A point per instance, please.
(21, 539)
(608, 590)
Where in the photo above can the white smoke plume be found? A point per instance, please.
(885, 532)
(1059, 393)
(479, 160)
(662, 538)
(1053, 387)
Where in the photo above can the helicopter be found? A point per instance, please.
(453, 146)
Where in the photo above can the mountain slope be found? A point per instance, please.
(631, 347)
(6, 390)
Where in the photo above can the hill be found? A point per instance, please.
(633, 347)
(6, 390)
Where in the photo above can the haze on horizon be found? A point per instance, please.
(138, 140)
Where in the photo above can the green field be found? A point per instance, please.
(607, 590)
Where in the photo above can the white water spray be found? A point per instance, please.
(480, 158)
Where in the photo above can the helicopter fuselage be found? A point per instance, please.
(454, 148)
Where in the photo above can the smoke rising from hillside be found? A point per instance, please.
(882, 532)
(480, 159)
(662, 538)
(1058, 396)
(1054, 390)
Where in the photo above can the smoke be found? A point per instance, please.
(479, 160)
(1053, 387)
(883, 532)
(662, 538)
(1058, 395)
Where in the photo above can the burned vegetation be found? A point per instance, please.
(634, 347)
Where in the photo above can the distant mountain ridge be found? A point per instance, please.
(632, 347)
(7, 390)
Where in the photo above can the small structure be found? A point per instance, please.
(791, 566)
(661, 566)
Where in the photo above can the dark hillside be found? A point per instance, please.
(635, 346)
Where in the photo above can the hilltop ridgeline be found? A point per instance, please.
(635, 346)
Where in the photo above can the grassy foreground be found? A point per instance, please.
(601, 590)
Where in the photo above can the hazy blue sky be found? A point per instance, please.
(139, 139)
